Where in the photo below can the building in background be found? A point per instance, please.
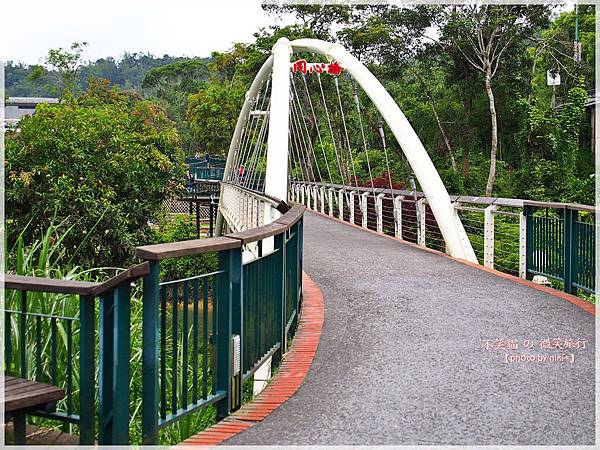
(17, 107)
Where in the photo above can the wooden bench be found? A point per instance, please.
(25, 396)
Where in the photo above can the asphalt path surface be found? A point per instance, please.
(408, 354)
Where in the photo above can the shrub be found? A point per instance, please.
(182, 228)
(103, 162)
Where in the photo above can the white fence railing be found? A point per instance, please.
(243, 210)
(498, 243)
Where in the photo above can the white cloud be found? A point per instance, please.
(111, 27)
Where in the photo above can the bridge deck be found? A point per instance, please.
(401, 361)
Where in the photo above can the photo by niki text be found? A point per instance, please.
(555, 350)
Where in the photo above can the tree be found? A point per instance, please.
(171, 85)
(103, 162)
(483, 34)
(64, 65)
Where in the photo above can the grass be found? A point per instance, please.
(45, 257)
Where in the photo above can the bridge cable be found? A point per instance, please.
(261, 149)
(299, 149)
(294, 140)
(308, 139)
(362, 132)
(253, 128)
(316, 122)
(298, 141)
(255, 158)
(239, 156)
(337, 88)
(387, 162)
(337, 156)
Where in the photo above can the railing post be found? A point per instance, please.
(488, 236)
(121, 364)
(528, 213)
(300, 260)
(113, 376)
(330, 201)
(379, 211)
(341, 204)
(322, 189)
(87, 371)
(279, 277)
(105, 373)
(522, 245)
(398, 216)
(237, 320)
(363, 209)
(315, 192)
(230, 261)
(421, 216)
(351, 206)
(570, 249)
(150, 356)
(301, 187)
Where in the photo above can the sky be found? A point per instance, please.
(111, 27)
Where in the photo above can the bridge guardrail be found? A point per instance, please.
(38, 355)
(202, 336)
(251, 317)
(560, 243)
(520, 237)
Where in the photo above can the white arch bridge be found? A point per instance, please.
(413, 315)
(403, 356)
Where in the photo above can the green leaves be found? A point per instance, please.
(105, 161)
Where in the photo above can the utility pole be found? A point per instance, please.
(576, 44)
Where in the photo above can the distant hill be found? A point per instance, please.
(127, 72)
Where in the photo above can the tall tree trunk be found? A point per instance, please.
(492, 175)
(466, 149)
(439, 122)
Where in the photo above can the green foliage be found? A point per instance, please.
(181, 228)
(39, 81)
(104, 163)
(212, 114)
(552, 173)
(171, 85)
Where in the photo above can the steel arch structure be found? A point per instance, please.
(276, 179)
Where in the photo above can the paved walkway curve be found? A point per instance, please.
(401, 359)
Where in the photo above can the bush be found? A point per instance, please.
(103, 162)
(182, 228)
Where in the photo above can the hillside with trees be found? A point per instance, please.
(471, 80)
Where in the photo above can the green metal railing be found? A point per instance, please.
(561, 244)
(188, 330)
(52, 338)
(207, 168)
(188, 362)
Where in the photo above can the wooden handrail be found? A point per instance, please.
(258, 233)
(270, 229)
(39, 284)
(87, 288)
(129, 275)
(555, 205)
(233, 240)
(186, 248)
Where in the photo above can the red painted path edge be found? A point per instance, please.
(586, 306)
(285, 383)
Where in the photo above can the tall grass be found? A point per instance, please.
(45, 257)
